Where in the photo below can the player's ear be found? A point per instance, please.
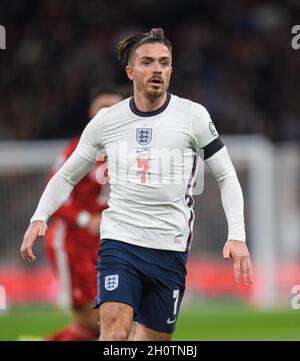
(130, 72)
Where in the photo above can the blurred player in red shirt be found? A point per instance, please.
(72, 240)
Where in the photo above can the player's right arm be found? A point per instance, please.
(61, 184)
(74, 213)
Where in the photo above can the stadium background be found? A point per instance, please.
(236, 58)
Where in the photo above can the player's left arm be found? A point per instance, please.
(233, 203)
(206, 137)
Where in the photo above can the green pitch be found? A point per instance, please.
(199, 322)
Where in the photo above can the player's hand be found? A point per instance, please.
(36, 229)
(93, 225)
(242, 264)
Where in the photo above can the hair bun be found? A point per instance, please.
(157, 33)
(126, 46)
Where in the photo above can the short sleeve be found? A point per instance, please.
(203, 129)
(205, 135)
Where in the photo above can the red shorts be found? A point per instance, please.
(74, 263)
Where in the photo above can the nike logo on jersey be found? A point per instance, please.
(141, 150)
(169, 321)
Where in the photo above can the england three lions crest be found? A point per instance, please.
(111, 282)
(144, 135)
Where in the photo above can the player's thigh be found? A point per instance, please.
(143, 333)
(118, 279)
(115, 314)
(119, 289)
(115, 321)
(160, 306)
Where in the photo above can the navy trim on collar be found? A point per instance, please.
(135, 110)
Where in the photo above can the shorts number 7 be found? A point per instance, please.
(143, 163)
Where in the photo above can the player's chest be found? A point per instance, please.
(171, 133)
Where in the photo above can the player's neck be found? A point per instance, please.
(149, 105)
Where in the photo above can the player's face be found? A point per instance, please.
(150, 69)
(104, 100)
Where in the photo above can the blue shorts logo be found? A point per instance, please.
(144, 135)
(111, 282)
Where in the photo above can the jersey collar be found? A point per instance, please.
(135, 110)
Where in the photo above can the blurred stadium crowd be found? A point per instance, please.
(235, 57)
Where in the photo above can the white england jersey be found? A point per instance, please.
(151, 166)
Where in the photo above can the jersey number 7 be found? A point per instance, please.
(143, 164)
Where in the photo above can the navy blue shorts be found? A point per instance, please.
(152, 281)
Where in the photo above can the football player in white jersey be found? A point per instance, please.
(151, 142)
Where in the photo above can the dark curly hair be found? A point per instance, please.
(128, 45)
